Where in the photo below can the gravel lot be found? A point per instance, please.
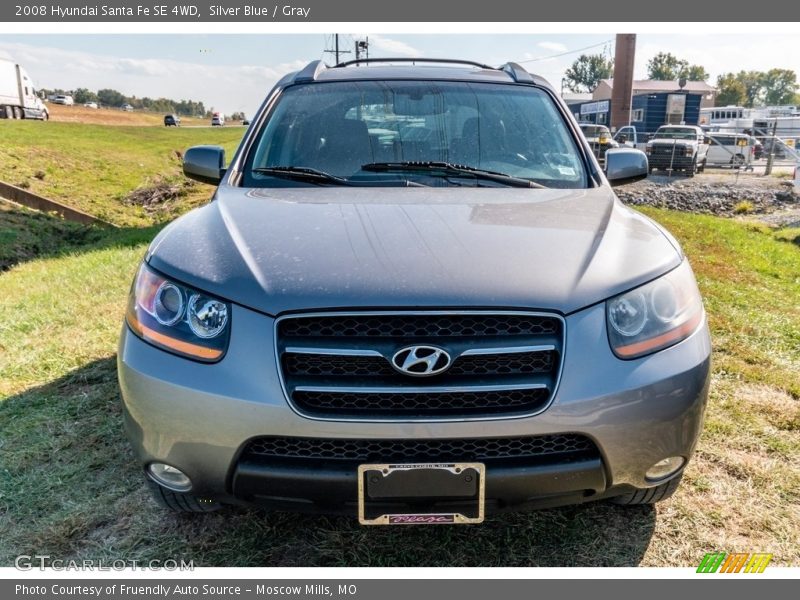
(776, 200)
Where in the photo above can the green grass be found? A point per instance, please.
(69, 485)
(93, 167)
(27, 234)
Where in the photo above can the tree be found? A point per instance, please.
(753, 82)
(780, 86)
(83, 95)
(730, 91)
(587, 71)
(111, 97)
(665, 66)
(694, 73)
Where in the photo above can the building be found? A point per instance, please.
(648, 111)
(707, 92)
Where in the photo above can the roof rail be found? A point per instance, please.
(311, 71)
(407, 59)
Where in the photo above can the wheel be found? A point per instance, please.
(181, 503)
(702, 166)
(650, 495)
(45, 116)
(737, 161)
(692, 171)
(17, 112)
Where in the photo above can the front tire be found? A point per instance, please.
(181, 503)
(650, 495)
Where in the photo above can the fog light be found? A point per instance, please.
(664, 468)
(170, 477)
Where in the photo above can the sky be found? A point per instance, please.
(231, 73)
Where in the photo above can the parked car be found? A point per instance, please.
(126, 108)
(217, 120)
(245, 121)
(172, 121)
(18, 98)
(413, 329)
(63, 99)
(90, 104)
(599, 138)
(678, 148)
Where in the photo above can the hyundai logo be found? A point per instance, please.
(421, 361)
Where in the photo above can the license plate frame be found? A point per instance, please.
(452, 475)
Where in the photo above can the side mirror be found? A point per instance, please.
(625, 165)
(622, 138)
(205, 164)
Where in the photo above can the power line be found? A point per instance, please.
(564, 53)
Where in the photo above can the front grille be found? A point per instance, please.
(431, 403)
(427, 326)
(335, 365)
(379, 366)
(561, 446)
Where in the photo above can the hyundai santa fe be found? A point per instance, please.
(413, 298)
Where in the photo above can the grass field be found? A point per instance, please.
(113, 116)
(69, 486)
(94, 167)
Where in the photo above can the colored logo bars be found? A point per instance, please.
(720, 562)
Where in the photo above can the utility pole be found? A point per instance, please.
(622, 92)
(336, 51)
(771, 155)
(362, 46)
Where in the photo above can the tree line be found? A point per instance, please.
(745, 88)
(115, 99)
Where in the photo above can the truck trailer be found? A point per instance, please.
(18, 99)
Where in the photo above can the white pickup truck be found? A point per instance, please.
(18, 99)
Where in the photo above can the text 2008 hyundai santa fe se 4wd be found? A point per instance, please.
(415, 298)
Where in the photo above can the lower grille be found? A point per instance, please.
(562, 446)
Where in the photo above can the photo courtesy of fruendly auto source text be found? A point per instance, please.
(399, 300)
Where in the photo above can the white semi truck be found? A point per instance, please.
(18, 99)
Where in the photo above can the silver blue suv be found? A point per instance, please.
(413, 298)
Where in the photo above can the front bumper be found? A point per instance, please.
(679, 161)
(197, 417)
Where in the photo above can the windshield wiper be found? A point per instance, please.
(302, 174)
(321, 177)
(450, 170)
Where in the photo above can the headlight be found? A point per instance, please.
(177, 318)
(656, 315)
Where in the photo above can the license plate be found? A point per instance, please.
(421, 494)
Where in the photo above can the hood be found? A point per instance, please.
(278, 250)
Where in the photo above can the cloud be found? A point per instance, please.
(227, 88)
(552, 46)
(392, 47)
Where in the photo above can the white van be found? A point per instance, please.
(730, 149)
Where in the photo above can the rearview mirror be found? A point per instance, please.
(205, 164)
(625, 165)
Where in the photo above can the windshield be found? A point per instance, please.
(675, 133)
(339, 127)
